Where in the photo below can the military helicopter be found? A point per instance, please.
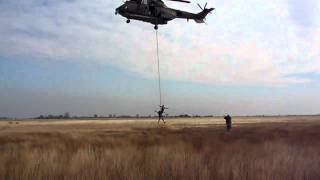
(157, 13)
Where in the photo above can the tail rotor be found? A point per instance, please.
(204, 8)
(203, 14)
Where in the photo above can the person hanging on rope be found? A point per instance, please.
(160, 113)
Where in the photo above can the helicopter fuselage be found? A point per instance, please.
(146, 13)
(156, 13)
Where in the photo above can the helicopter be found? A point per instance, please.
(157, 13)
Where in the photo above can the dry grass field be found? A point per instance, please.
(257, 148)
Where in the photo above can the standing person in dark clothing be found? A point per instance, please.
(160, 113)
(228, 122)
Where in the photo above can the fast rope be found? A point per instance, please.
(159, 75)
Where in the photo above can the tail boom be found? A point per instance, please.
(199, 18)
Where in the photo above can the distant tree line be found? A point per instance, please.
(113, 116)
(50, 116)
(137, 116)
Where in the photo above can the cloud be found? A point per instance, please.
(246, 42)
(304, 13)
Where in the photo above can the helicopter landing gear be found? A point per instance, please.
(156, 27)
(128, 20)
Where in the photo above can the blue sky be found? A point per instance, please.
(253, 57)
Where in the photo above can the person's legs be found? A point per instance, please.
(163, 120)
(228, 127)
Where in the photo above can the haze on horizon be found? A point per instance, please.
(253, 57)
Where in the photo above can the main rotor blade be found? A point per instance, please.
(184, 1)
(205, 5)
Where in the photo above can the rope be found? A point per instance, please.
(159, 75)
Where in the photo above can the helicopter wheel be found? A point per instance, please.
(156, 27)
(128, 20)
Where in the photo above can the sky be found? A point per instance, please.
(252, 58)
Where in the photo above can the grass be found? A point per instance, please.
(259, 151)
